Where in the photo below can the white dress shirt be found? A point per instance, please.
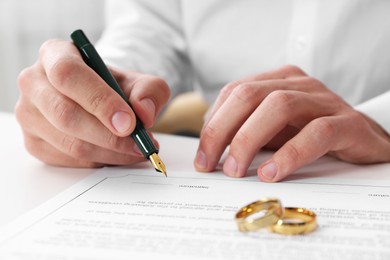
(204, 44)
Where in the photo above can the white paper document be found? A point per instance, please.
(121, 213)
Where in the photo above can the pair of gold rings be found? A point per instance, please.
(287, 221)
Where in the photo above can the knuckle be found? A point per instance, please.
(24, 79)
(293, 69)
(158, 82)
(280, 100)
(244, 92)
(242, 139)
(164, 91)
(357, 118)
(32, 144)
(324, 128)
(64, 113)
(279, 97)
(359, 123)
(161, 85)
(212, 143)
(62, 69)
(112, 141)
(74, 147)
(21, 112)
(292, 154)
(46, 46)
(227, 89)
(97, 101)
(209, 134)
(314, 85)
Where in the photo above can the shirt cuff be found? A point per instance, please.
(378, 109)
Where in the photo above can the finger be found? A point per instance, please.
(346, 136)
(49, 155)
(279, 110)
(68, 73)
(315, 140)
(68, 117)
(70, 147)
(148, 95)
(88, 158)
(35, 125)
(286, 72)
(219, 130)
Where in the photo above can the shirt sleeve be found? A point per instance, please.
(378, 109)
(147, 36)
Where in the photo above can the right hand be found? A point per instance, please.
(71, 117)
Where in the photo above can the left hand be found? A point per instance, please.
(292, 113)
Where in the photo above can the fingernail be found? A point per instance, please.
(149, 106)
(201, 161)
(121, 121)
(230, 166)
(269, 170)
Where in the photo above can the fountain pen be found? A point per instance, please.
(95, 62)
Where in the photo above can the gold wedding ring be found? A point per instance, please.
(295, 221)
(273, 212)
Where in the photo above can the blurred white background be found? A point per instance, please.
(26, 24)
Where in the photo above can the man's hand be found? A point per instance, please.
(292, 113)
(71, 117)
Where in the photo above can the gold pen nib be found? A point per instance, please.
(158, 164)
